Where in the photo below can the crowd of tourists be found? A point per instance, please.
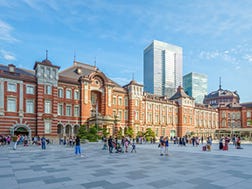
(125, 144)
(119, 145)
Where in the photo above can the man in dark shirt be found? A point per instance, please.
(110, 144)
(77, 146)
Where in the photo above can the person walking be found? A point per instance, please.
(43, 143)
(133, 147)
(166, 145)
(110, 144)
(77, 146)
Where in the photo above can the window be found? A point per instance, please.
(163, 131)
(114, 113)
(68, 93)
(29, 89)
(47, 127)
(126, 102)
(120, 114)
(29, 106)
(114, 100)
(126, 115)
(48, 89)
(12, 87)
(136, 115)
(76, 111)
(76, 95)
(68, 110)
(60, 109)
(120, 101)
(47, 106)
(11, 105)
(248, 114)
(60, 93)
(136, 103)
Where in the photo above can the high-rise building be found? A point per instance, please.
(195, 85)
(162, 68)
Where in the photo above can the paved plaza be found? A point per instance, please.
(186, 167)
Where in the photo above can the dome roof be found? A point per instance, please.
(222, 93)
(46, 62)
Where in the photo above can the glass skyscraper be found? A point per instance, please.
(195, 85)
(162, 68)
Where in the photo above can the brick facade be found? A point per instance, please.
(46, 101)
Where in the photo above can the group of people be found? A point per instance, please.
(5, 140)
(163, 145)
(224, 141)
(119, 146)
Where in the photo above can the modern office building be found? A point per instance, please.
(195, 85)
(162, 68)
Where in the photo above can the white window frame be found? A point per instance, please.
(76, 111)
(30, 89)
(12, 87)
(47, 127)
(61, 94)
(60, 109)
(11, 102)
(68, 93)
(48, 89)
(76, 95)
(68, 110)
(48, 106)
(29, 106)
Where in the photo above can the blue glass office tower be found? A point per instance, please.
(162, 68)
(195, 85)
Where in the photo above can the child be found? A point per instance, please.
(133, 147)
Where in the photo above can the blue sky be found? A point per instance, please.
(216, 36)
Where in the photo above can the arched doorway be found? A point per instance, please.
(68, 130)
(60, 130)
(21, 129)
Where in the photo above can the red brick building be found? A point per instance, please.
(54, 103)
(234, 117)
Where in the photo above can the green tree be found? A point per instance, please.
(90, 134)
(149, 134)
(140, 134)
(105, 133)
(119, 134)
(129, 132)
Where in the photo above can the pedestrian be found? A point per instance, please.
(110, 144)
(77, 146)
(161, 145)
(43, 143)
(166, 145)
(133, 147)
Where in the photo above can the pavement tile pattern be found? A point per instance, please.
(188, 167)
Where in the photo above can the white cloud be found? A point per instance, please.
(5, 32)
(7, 55)
(248, 57)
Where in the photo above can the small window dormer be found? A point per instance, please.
(12, 68)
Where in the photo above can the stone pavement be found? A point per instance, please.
(186, 167)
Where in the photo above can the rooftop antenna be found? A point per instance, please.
(219, 82)
(132, 76)
(95, 61)
(74, 56)
(46, 54)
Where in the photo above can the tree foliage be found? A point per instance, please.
(90, 134)
(129, 132)
(149, 134)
